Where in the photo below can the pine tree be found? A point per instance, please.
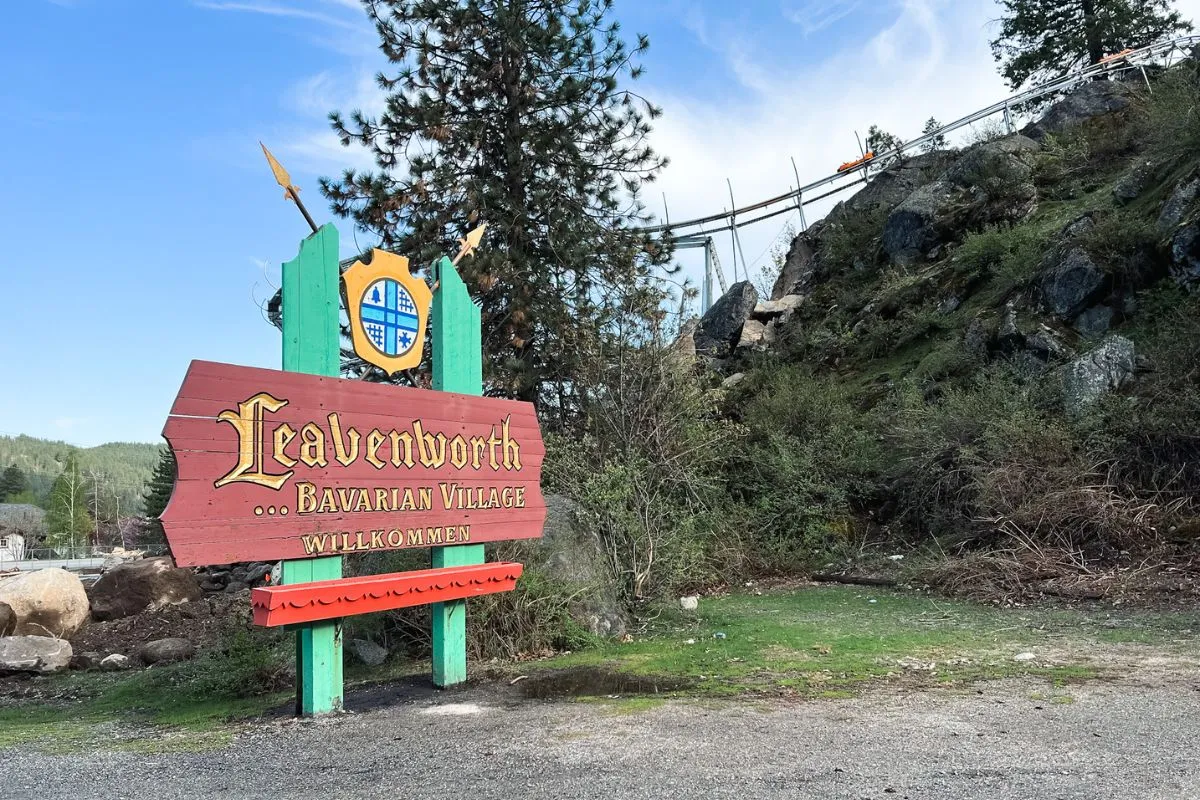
(937, 142)
(512, 112)
(158, 492)
(879, 142)
(1044, 39)
(12, 483)
(68, 522)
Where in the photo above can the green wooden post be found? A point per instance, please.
(457, 367)
(311, 344)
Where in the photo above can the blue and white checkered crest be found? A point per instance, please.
(389, 317)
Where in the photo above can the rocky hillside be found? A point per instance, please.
(997, 346)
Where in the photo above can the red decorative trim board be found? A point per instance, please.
(309, 602)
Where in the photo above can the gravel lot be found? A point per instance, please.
(1103, 740)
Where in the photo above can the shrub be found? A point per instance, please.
(987, 131)
(1063, 159)
(803, 467)
(1008, 257)
(1126, 244)
(646, 470)
(1153, 439)
(249, 662)
(535, 618)
(852, 240)
(1171, 116)
(995, 463)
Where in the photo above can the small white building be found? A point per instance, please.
(12, 548)
(20, 523)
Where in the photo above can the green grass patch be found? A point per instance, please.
(832, 642)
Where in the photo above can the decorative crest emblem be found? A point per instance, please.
(388, 310)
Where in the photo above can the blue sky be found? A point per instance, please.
(144, 229)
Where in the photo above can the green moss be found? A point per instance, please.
(836, 641)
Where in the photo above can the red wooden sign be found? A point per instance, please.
(278, 465)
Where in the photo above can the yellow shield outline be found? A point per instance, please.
(355, 282)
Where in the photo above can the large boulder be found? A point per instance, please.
(768, 310)
(1134, 183)
(1090, 100)
(133, 587)
(803, 265)
(8, 620)
(1185, 256)
(921, 224)
(757, 335)
(799, 265)
(1107, 368)
(1071, 284)
(1009, 157)
(721, 328)
(989, 183)
(568, 553)
(45, 602)
(42, 655)
(1095, 322)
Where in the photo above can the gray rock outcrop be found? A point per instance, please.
(1070, 285)
(991, 182)
(1094, 322)
(41, 655)
(803, 264)
(721, 328)
(1134, 183)
(918, 226)
(1107, 368)
(799, 267)
(45, 602)
(1092, 99)
(1185, 256)
(132, 587)
(1178, 204)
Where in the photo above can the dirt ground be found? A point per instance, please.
(201, 622)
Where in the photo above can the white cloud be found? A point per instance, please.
(320, 152)
(342, 26)
(307, 144)
(816, 15)
(302, 10)
(932, 60)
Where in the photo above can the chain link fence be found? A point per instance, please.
(28, 557)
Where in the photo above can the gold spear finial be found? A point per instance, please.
(290, 192)
(470, 243)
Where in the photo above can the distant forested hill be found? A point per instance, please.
(121, 469)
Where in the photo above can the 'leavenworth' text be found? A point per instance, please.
(264, 447)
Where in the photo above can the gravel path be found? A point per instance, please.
(1115, 740)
